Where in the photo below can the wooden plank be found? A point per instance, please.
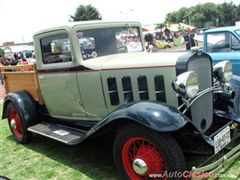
(22, 77)
(25, 72)
(30, 67)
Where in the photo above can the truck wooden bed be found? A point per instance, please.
(22, 77)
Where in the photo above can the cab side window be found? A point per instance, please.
(56, 49)
(218, 42)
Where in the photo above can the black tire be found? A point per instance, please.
(20, 133)
(170, 156)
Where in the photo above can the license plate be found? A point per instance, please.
(222, 139)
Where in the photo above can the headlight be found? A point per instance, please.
(222, 71)
(186, 84)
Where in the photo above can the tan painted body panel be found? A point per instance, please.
(133, 60)
(96, 99)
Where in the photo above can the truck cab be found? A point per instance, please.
(71, 59)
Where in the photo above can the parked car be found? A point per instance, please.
(224, 44)
(155, 105)
(164, 44)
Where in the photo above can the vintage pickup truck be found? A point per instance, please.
(92, 78)
(224, 43)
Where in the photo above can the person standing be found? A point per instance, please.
(188, 39)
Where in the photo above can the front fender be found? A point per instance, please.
(157, 116)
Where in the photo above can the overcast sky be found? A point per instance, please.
(21, 18)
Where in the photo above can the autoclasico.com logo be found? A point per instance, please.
(187, 175)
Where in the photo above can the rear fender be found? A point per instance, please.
(24, 103)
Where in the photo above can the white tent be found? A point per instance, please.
(20, 48)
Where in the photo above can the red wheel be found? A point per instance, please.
(141, 159)
(140, 153)
(17, 124)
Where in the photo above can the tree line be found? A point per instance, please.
(206, 15)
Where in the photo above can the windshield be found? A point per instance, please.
(107, 41)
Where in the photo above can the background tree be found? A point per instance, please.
(85, 13)
(227, 14)
(206, 15)
(160, 26)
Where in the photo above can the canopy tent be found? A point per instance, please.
(20, 48)
(180, 27)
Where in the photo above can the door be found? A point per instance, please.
(57, 76)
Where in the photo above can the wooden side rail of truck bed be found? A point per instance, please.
(22, 77)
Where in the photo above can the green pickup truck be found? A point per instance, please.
(92, 78)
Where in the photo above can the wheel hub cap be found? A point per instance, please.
(13, 124)
(139, 166)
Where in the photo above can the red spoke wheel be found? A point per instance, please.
(17, 124)
(140, 153)
(142, 159)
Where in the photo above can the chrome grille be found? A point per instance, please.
(202, 109)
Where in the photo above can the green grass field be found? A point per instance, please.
(47, 159)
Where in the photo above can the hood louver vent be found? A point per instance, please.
(112, 90)
(160, 88)
(127, 89)
(142, 92)
(143, 88)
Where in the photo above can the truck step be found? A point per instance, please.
(65, 134)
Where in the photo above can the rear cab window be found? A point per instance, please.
(56, 49)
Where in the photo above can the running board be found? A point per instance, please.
(64, 134)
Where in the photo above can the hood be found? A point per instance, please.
(134, 60)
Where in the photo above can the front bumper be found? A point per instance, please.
(220, 164)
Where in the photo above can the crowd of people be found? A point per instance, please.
(17, 58)
(166, 35)
(187, 38)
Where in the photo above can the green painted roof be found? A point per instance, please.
(90, 24)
